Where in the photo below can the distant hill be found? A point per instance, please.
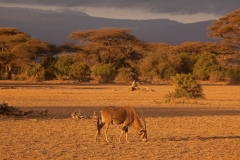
(54, 26)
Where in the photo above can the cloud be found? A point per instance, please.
(218, 7)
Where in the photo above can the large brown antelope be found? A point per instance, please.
(120, 115)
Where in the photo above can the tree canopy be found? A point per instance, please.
(18, 50)
(227, 28)
(114, 55)
(108, 45)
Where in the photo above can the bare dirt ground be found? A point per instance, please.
(183, 129)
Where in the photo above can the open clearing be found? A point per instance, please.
(189, 129)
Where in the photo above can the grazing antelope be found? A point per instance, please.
(120, 115)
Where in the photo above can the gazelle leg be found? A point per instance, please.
(105, 131)
(124, 129)
(126, 134)
(119, 139)
(96, 137)
(98, 131)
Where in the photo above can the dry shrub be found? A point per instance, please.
(125, 75)
(185, 87)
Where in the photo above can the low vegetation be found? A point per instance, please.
(185, 87)
(111, 55)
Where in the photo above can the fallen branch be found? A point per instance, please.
(136, 86)
(12, 111)
(77, 115)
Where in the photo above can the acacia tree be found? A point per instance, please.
(227, 28)
(200, 47)
(107, 45)
(9, 37)
(17, 52)
(115, 47)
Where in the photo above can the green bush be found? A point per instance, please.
(205, 65)
(158, 65)
(167, 72)
(217, 74)
(48, 63)
(185, 86)
(187, 63)
(235, 76)
(103, 73)
(125, 75)
(36, 72)
(148, 67)
(80, 71)
(62, 67)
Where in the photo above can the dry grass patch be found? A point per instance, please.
(196, 129)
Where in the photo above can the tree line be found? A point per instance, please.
(114, 55)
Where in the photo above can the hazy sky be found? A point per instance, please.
(185, 11)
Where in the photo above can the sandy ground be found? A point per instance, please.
(189, 129)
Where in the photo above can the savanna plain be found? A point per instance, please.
(183, 129)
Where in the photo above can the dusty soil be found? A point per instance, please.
(183, 129)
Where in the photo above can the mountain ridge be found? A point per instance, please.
(55, 26)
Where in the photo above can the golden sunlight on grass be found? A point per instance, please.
(184, 129)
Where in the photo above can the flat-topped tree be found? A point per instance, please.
(17, 51)
(227, 28)
(108, 45)
(10, 37)
(13, 40)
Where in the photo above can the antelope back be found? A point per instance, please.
(123, 114)
(118, 115)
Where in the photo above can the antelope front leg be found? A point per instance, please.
(124, 129)
(119, 139)
(106, 138)
(96, 137)
(126, 134)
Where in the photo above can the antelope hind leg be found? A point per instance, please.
(99, 127)
(105, 131)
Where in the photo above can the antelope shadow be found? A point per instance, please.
(148, 112)
(199, 138)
